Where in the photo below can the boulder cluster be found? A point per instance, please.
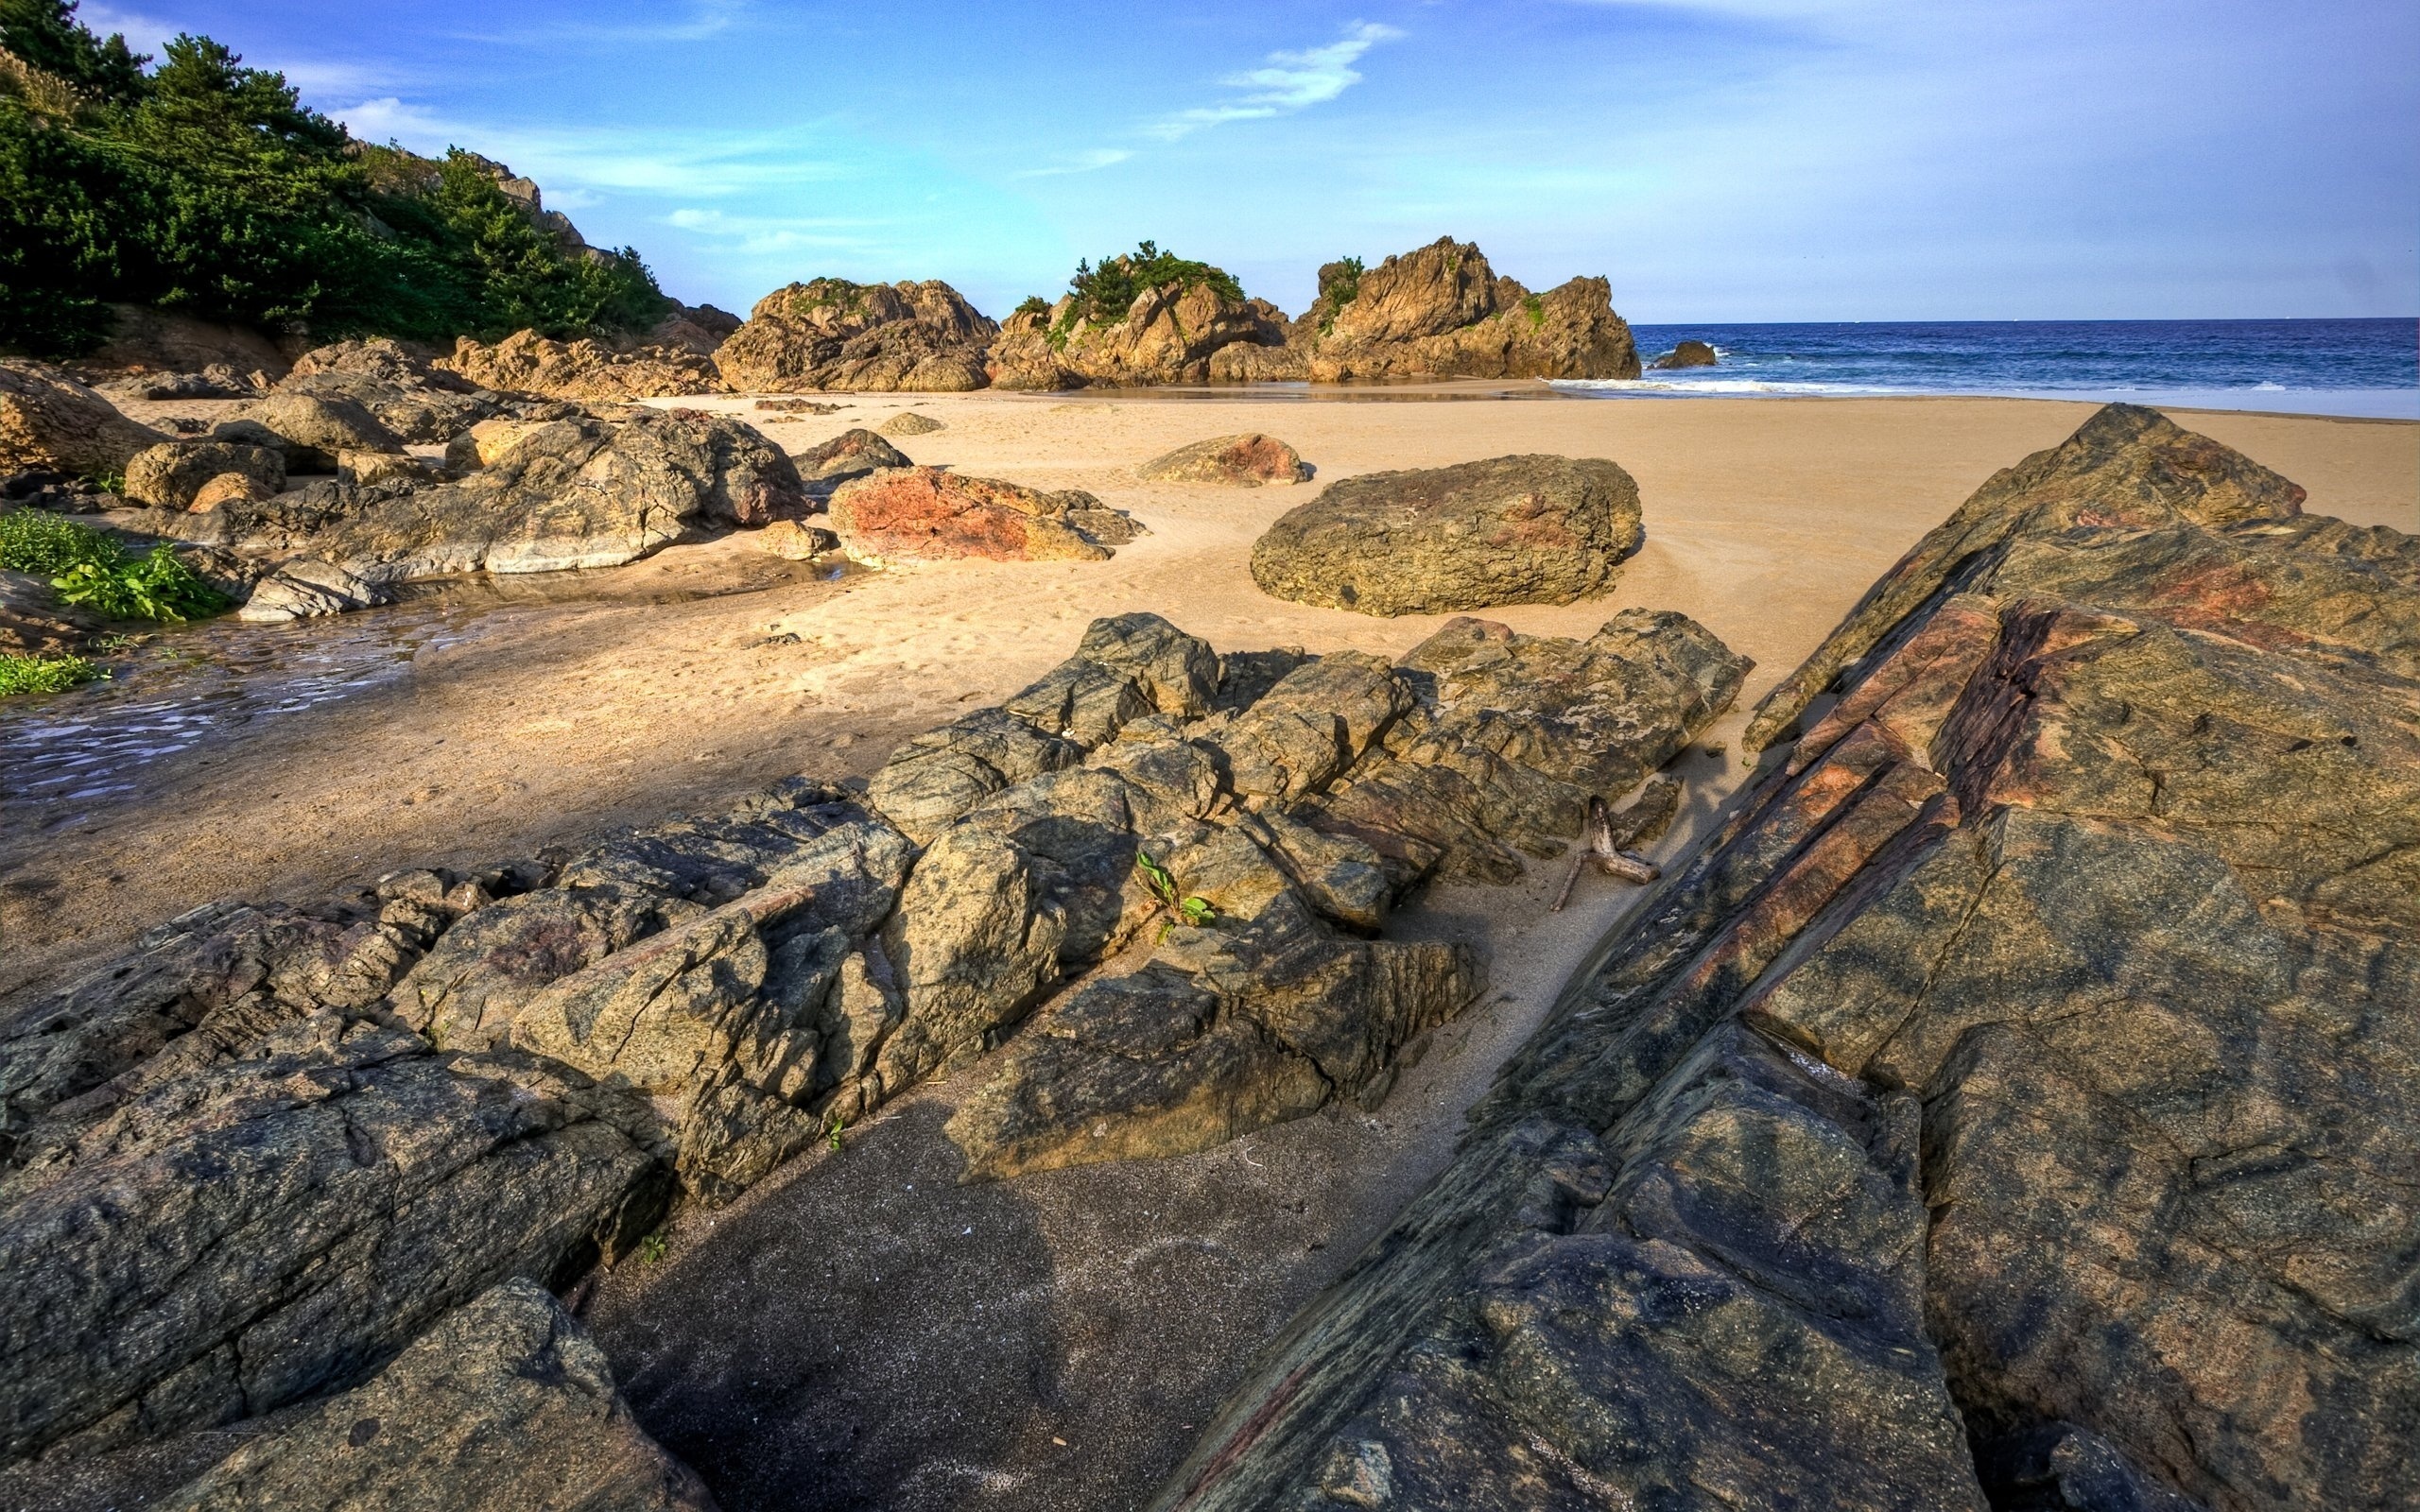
(2010, 1106)
(282, 1155)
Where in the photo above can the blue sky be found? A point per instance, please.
(1718, 160)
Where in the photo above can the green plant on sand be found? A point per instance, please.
(24, 673)
(91, 569)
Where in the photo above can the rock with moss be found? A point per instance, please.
(1509, 530)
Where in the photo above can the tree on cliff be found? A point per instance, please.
(208, 187)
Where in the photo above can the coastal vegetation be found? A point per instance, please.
(23, 672)
(207, 187)
(1104, 294)
(93, 570)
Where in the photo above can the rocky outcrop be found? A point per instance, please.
(308, 430)
(170, 475)
(1510, 530)
(925, 514)
(53, 423)
(1168, 334)
(1244, 461)
(2003, 1107)
(854, 453)
(583, 372)
(507, 1403)
(1441, 312)
(831, 334)
(547, 496)
(1687, 354)
(409, 394)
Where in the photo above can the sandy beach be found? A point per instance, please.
(860, 1329)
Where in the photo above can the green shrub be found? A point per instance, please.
(19, 673)
(1104, 294)
(1537, 309)
(1340, 285)
(208, 187)
(1033, 304)
(90, 568)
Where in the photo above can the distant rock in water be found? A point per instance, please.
(831, 334)
(1239, 461)
(1511, 530)
(505, 1404)
(924, 514)
(907, 423)
(585, 371)
(2006, 1107)
(1687, 354)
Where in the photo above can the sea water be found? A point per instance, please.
(2359, 368)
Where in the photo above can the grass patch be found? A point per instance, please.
(1537, 309)
(19, 673)
(92, 569)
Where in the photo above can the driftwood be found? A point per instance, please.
(1609, 836)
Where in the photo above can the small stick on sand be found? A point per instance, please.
(1604, 845)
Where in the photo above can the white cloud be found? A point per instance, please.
(771, 233)
(145, 34)
(703, 19)
(1092, 161)
(1286, 83)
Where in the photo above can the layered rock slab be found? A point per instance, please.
(1510, 530)
(2094, 876)
(927, 514)
(505, 1404)
(583, 372)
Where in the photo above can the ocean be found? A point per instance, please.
(2359, 368)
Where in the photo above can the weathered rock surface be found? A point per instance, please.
(908, 422)
(409, 394)
(169, 476)
(1687, 354)
(2004, 1106)
(309, 429)
(1168, 335)
(831, 334)
(1442, 312)
(548, 495)
(52, 422)
(1510, 530)
(154, 340)
(506, 1404)
(33, 620)
(1246, 461)
(925, 513)
(585, 372)
(854, 453)
(1259, 1000)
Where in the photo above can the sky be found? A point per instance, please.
(1717, 159)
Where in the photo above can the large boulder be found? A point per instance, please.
(169, 475)
(854, 453)
(2003, 1107)
(583, 372)
(56, 425)
(309, 429)
(1244, 461)
(1442, 312)
(554, 495)
(409, 394)
(505, 1404)
(925, 513)
(1510, 530)
(831, 334)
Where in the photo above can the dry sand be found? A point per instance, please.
(861, 1331)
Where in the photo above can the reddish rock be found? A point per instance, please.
(924, 514)
(1239, 461)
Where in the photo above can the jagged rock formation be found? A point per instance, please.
(1170, 334)
(53, 423)
(506, 1404)
(1245, 461)
(583, 372)
(924, 514)
(1687, 354)
(831, 334)
(538, 496)
(1441, 312)
(2006, 1107)
(1509, 530)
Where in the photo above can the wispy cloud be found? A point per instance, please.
(698, 20)
(145, 34)
(1287, 82)
(773, 233)
(1098, 159)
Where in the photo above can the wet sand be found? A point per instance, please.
(861, 1331)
